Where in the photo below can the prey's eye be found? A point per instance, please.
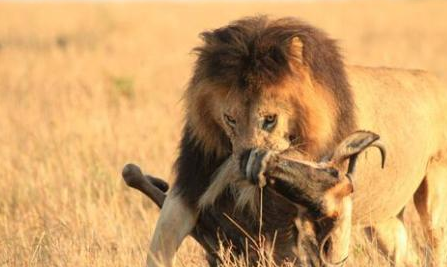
(229, 120)
(333, 172)
(293, 139)
(269, 122)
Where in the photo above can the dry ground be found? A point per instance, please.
(85, 88)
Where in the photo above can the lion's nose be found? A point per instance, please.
(252, 163)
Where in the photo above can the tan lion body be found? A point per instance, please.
(281, 85)
(406, 108)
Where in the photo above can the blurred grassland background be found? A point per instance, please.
(87, 87)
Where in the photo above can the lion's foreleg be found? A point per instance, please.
(155, 189)
(430, 199)
(176, 221)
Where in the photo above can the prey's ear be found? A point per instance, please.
(353, 145)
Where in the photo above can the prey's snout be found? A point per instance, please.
(253, 164)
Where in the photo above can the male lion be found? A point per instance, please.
(276, 85)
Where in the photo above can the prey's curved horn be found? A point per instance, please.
(353, 158)
(378, 144)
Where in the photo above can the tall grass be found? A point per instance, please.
(87, 87)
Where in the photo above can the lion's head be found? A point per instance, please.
(268, 84)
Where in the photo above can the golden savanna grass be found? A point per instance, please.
(87, 87)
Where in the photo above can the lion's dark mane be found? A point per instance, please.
(251, 53)
(248, 55)
(194, 167)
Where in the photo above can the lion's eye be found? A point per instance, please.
(229, 120)
(269, 122)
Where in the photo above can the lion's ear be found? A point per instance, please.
(296, 48)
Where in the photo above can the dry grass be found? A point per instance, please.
(85, 88)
